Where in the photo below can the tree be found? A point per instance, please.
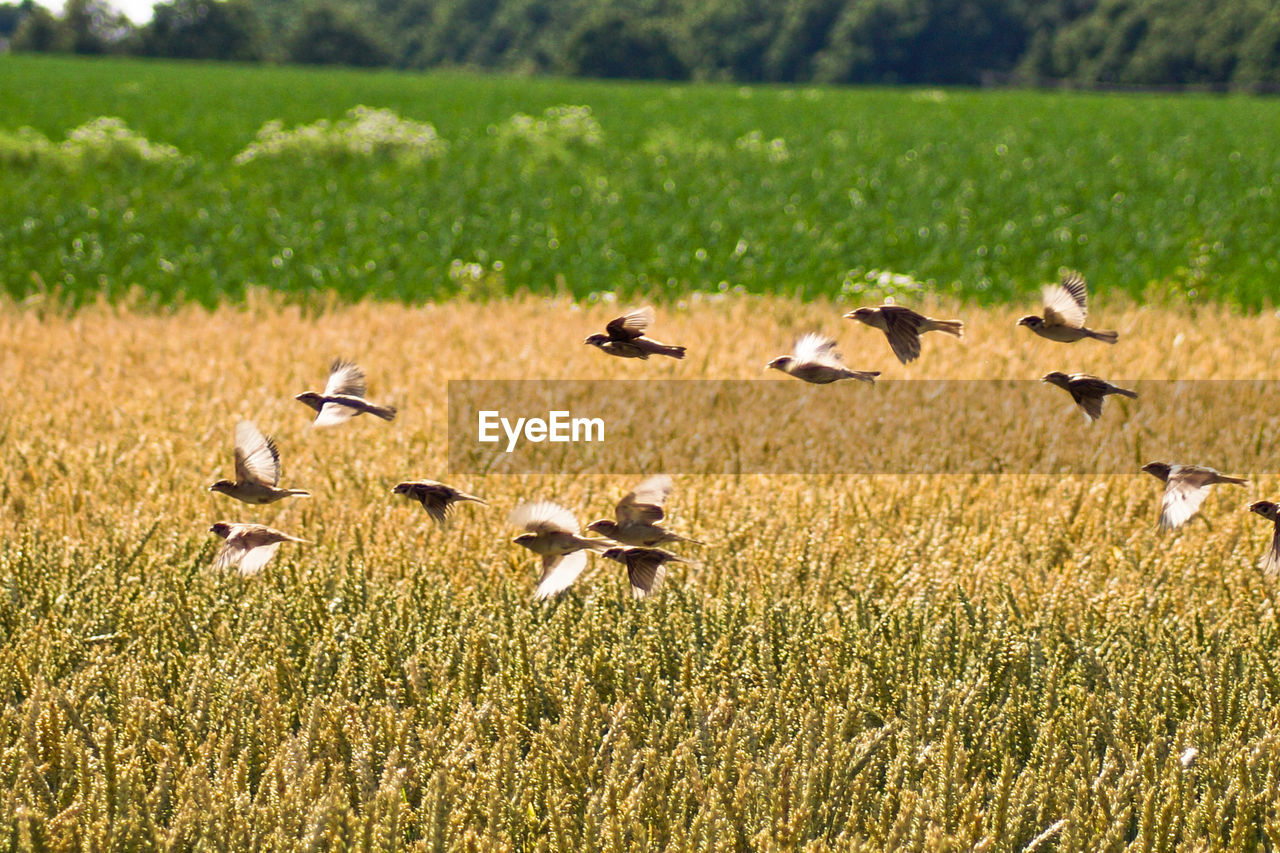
(617, 45)
(93, 26)
(203, 29)
(327, 35)
(39, 32)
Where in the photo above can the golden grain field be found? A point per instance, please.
(857, 662)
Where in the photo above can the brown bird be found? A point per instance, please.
(248, 545)
(646, 567)
(814, 359)
(436, 498)
(1186, 487)
(1270, 562)
(1089, 392)
(551, 532)
(343, 396)
(638, 515)
(257, 469)
(1064, 311)
(624, 337)
(903, 327)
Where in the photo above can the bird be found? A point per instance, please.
(1064, 312)
(343, 396)
(638, 514)
(624, 337)
(1270, 562)
(436, 498)
(646, 567)
(551, 532)
(903, 327)
(248, 545)
(257, 469)
(1186, 487)
(814, 359)
(1088, 391)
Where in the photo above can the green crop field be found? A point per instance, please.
(922, 663)
(802, 192)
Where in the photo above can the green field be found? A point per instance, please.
(980, 194)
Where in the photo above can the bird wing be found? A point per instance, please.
(435, 499)
(643, 504)
(902, 328)
(257, 458)
(559, 572)
(544, 517)
(231, 553)
(255, 558)
(346, 377)
(630, 325)
(1270, 562)
(1065, 303)
(814, 348)
(1182, 498)
(332, 414)
(646, 567)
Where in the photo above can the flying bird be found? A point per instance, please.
(1186, 487)
(257, 469)
(815, 359)
(1089, 392)
(551, 532)
(646, 567)
(903, 327)
(343, 397)
(624, 337)
(436, 498)
(248, 545)
(1270, 562)
(638, 515)
(1064, 311)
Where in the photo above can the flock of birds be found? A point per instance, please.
(635, 535)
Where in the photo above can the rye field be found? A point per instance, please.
(979, 662)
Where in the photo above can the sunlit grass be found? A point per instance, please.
(857, 663)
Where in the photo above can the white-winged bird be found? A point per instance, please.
(637, 516)
(646, 567)
(1185, 488)
(343, 397)
(248, 545)
(814, 359)
(257, 469)
(1065, 307)
(624, 337)
(1089, 392)
(903, 327)
(551, 532)
(1270, 562)
(436, 498)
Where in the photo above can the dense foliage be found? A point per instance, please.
(1087, 42)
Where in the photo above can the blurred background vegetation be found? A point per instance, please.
(1224, 44)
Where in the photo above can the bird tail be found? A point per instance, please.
(1107, 337)
(863, 376)
(463, 496)
(387, 413)
(1235, 481)
(951, 327)
(657, 348)
(1125, 392)
(298, 493)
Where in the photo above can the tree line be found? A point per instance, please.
(1165, 43)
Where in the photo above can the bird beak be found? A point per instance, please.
(212, 489)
